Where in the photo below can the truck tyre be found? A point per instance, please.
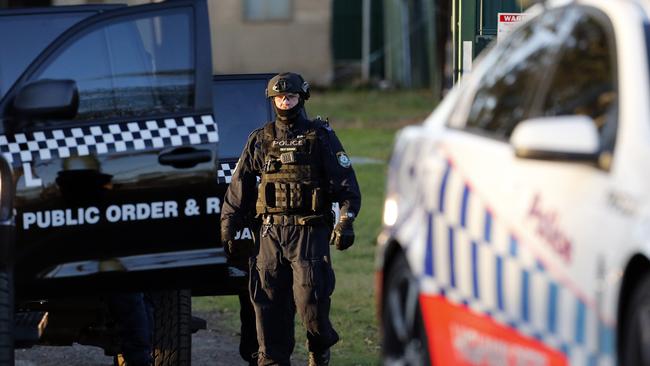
(6, 318)
(636, 327)
(404, 338)
(172, 338)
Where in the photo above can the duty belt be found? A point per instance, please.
(286, 220)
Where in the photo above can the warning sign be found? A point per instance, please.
(507, 22)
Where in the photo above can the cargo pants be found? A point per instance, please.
(133, 314)
(292, 272)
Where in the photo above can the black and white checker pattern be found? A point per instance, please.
(111, 138)
(225, 172)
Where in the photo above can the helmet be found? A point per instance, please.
(287, 82)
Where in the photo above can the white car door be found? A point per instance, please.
(532, 261)
(577, 212)
(510, 232)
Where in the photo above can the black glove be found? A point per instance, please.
(228, 232)
(343, 234)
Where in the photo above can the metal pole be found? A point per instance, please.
(365, 41)
(459, 40)
(406, 43)
(454, 39)
(480, 19)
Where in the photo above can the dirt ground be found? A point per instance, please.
(211, 347)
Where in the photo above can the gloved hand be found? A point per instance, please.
(228, 232)
(343, 234)
(227, 237)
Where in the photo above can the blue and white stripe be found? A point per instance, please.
(473, 259)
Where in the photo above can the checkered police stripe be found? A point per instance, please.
(225, 172)
(110, 138)
(472, 259)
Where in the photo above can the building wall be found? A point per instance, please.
(301, 44)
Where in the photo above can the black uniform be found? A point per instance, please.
(302, 168)
(133, 313)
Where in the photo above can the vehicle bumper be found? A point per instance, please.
(204, 271)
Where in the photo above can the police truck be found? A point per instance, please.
(109, 175)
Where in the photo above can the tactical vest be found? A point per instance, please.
(292, 180)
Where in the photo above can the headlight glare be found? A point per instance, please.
(390, 211)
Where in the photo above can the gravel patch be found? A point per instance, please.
(210, 347)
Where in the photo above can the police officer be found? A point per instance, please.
(248, 334)
(133, 314)
(302, 169)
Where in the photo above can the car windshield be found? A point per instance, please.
(24, 37)
(240, 106)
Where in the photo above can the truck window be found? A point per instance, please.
(135, 68)
(240, 106)
(24, 37)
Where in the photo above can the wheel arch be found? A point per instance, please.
(395, 258)
(7, 223)
(636, 268)
(393, 249)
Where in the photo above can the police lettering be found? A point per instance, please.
(120, 213)
(213, 205)
(142, 211)
(112, 214)
(549, 229)
(57, 218)
(288, 143)
(244, 234)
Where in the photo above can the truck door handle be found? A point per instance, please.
(185, 157)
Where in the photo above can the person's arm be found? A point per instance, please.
(239, 200)
(343, 187)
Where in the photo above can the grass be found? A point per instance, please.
(370, 143)
(371, 109)
(353, 302)
(365, 124)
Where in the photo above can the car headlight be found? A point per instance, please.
(390, 211)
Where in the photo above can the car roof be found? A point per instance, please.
(540, 5)
(60, 9)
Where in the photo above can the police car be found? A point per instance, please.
(517, 216)
(109, 180)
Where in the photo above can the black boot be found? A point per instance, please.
(319, 358)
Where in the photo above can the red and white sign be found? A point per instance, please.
(458, 337)
(507, 22)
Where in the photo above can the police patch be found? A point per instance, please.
(282, 85)
(343, 159)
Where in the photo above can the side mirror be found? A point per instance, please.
(46, 98)
(557, 138)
